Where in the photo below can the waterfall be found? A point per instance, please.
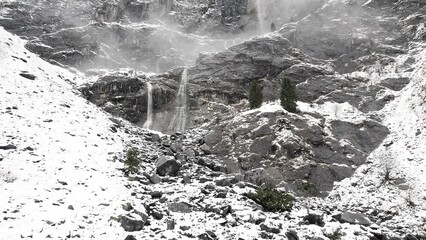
(148, 122)
(272, 14)
(261, 16)
(178, 120)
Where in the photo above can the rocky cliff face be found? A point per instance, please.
(356, 140)
(152, 36)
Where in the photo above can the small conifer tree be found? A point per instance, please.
(255, 94)
(288, 95)
(132, 161)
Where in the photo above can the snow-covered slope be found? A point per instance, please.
(393, 182)
(61, 178)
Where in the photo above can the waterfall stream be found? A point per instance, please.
(263, 28)
(148, 122)
(179, 118)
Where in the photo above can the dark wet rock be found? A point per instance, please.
(156, 194)
(130, 237)
(8, 147)
(125, 96)
(157, 214)
(292, 235)
(313, 218)
(167, 165)
(28, 75)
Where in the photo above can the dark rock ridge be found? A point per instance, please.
(125, 94)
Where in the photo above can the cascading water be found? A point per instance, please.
(261, 16)
(149, 118)
(179, 118)
(272, 14)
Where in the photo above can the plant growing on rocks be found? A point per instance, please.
(131, 163)
(388, 164)
(255, 94)
(409, 197)
(308, 187)
(272, 199)
(288, 96)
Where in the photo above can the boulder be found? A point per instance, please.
(314, 218)
(155, 179)
(167, 166)
(353, 218)
(206, 149)
(180, 207)
(134, 221)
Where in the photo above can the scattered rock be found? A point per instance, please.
(8, 147)
(313, 218)
(180, 207)
(155, 179)
(176, 147)
(221, 195)
(156, 138)
(206, 149)
(270, 228)
(157, 214)
(184, 228)
(292, 235)
(167, 165)
(28, 75)
(353, 218)
(130, 237)
(208, 235)
(171, 224)
(186, 179)
(156, 194)
(132, 222)
(63, 183)
(127, 207)
(223, 182)
(71, 207)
